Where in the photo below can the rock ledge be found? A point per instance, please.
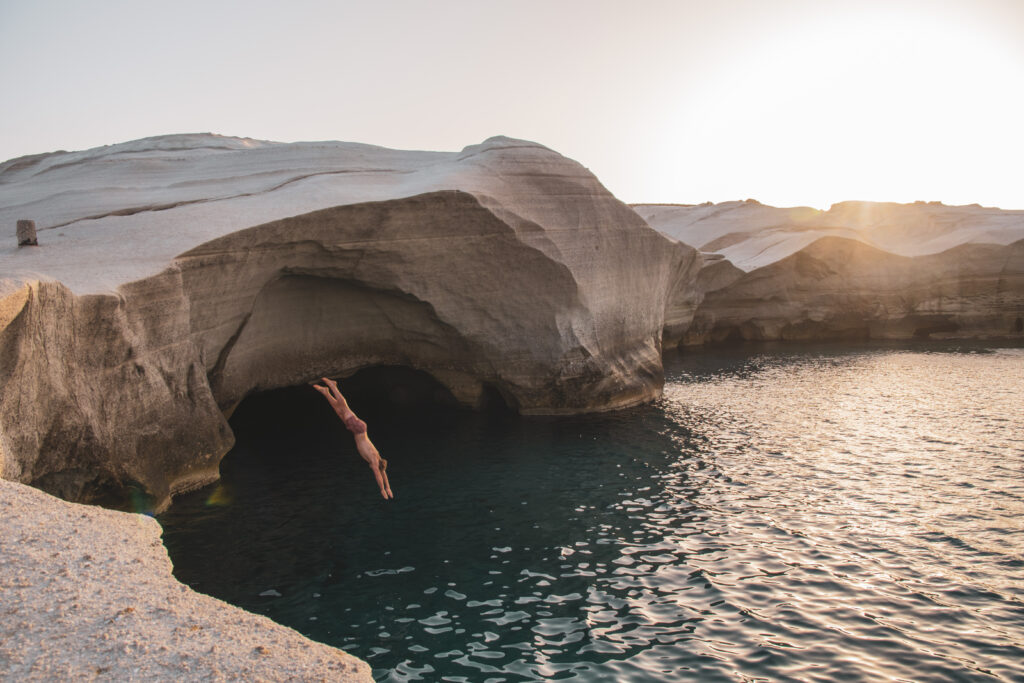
(88, 595)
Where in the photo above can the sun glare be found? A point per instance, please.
(853, 107)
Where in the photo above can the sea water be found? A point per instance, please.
(817, 514)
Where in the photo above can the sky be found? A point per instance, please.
(790, 102)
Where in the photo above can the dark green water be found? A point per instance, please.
(828, 514)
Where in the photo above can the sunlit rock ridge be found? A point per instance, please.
(861, 270)
(175, 275)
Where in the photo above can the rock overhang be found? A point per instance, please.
(503, 267)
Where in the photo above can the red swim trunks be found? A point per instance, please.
(355, 425)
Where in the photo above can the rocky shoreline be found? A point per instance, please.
(838, 289)
(171, 277)
(859, 271)
(89, 595)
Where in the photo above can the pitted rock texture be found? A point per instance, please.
(179, 274)
(88, 595)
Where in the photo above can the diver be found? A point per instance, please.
(358, 428)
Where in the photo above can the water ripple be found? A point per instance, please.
(777, 516)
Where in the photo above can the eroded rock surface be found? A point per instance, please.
(752, 235)
(844, 289)
(179, 274)
(88, 595)
(857, 271)
(684, 292)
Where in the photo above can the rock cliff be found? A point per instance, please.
(176, 275)
(859, 270)
(839, 288)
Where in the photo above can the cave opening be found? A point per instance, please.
(294, 477)
(928, 326)
(732, 336)
(494, 401)
(94, 486)
(393, 400)
(383, 396)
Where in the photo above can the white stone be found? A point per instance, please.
(751, 234)
(88, 594)
(182, 273)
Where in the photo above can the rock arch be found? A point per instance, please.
(435, 282)
(442, 282)
(302, 327)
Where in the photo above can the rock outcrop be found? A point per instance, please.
(859, 270)
(89, 595)
(752, 235)
(684, 293)
(842, 289)
(179, 274)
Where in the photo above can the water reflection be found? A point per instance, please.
(809, 515)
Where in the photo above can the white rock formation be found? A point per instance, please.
(843, 289)
(176, 275)
(88, 595)
(859, 270)
(751, 234)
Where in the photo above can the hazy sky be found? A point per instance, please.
(787, 101)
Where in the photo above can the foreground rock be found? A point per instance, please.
(177, 275)
(841, 289)
(88, 595)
